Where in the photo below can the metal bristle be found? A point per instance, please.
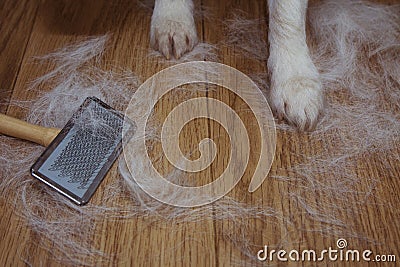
(90, 146)
(79, 157)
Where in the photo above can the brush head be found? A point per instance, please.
(79, 157)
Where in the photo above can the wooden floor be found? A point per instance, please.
(36, 27)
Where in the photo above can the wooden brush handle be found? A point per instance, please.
(20, 129)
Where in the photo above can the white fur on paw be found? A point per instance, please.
(173, 31)
(299, 100)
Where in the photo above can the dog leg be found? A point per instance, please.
(296, 91)
(173, 31)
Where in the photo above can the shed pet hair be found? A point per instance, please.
(359, 64)
(69, 230)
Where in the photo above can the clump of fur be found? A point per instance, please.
(247, 36)
(202, 51)
(356, 48)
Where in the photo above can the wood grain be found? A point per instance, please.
(32, 28)
(16, 22)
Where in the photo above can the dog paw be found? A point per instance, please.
(299, 100)
(173, 31)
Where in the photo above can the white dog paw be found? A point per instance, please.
(173, 31)
(299, 100)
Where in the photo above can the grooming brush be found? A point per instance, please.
(78, 157)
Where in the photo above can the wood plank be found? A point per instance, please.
(59, 23)
(16, 21)
(146, 242)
